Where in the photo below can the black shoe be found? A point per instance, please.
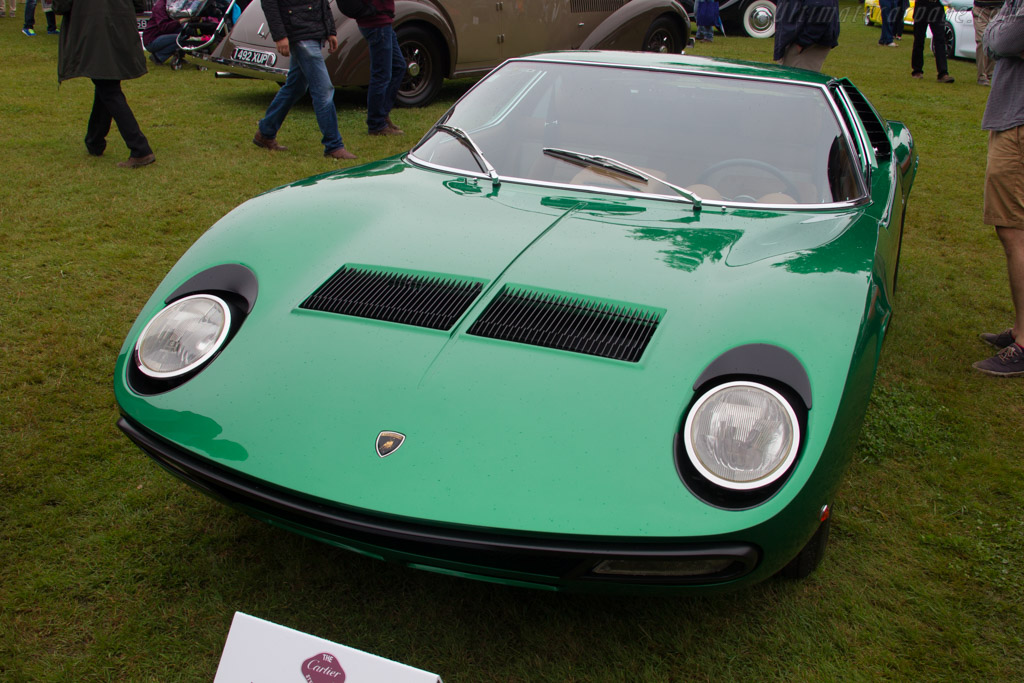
(999, 341)
(1007, 363)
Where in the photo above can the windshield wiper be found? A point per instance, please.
(463, 137)
(622, 169)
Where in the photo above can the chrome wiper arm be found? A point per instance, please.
(595, 160)
(621, 168)
(463, 137)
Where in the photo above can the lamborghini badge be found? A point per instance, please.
(388, 443)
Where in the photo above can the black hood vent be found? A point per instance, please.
(568, 323)
(432, 302)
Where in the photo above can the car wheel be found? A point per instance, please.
(759, 19)
(424, 72)
(808, 559)
(663, 36)
(950, 40)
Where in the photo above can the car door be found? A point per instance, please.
(477, 30)
(537, 25)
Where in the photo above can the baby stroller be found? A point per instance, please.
(207, 22)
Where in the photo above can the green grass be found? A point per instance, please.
(110, 569)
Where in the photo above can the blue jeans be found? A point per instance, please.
(387, 69)
(306, 71)
(163, 47)
(890, 15)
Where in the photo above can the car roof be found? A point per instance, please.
(681, 63)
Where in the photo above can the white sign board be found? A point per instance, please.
(259, 651)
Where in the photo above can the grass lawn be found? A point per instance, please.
(110, 569)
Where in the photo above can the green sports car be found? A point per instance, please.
(612, 324)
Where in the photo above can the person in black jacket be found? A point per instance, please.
(805, 32)
(299, 29)
(99, 40)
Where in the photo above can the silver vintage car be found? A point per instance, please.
(454, 38)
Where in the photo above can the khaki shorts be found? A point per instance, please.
(1004, 178)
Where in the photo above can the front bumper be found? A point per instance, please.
(540, 561)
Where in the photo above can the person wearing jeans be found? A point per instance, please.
(299, 29)
(890, 16)
(387, 67)
(30, 18)
(160, 38)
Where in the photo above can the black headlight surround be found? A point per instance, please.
(763, 364)
(732, 499)
(236, 285)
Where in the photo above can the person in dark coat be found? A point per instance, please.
(805, 32)
(99, 40)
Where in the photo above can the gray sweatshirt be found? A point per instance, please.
(1004, 40)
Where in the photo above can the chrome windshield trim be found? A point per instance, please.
(674, 198)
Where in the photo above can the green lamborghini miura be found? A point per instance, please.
(612, 324)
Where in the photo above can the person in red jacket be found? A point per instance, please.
(387, 67)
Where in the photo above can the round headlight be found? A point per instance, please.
(742, 435)
(183, 336)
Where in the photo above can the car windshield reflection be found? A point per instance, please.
(686, 136)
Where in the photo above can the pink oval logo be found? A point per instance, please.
(323, 668)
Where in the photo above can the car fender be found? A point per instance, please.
(352, 61)
(626, 27)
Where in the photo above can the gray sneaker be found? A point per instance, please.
(999, 341)
(1007, 363)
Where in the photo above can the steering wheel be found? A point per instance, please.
(750, 163)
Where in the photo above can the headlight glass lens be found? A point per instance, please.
(742, 435)
(183, 336)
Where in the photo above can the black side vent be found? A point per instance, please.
(570, 324)
(433, 302)
(877, 133)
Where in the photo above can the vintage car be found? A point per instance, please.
(757, 17)
(144, 10)
(558, 344)
(453, 38)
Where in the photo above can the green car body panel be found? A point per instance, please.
(520, 440)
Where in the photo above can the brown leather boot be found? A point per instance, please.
(340, 153)
(137, 162)
(261, 140)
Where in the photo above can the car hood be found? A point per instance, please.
(501, 434)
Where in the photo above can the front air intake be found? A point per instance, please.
(435, 302)
(568, 323)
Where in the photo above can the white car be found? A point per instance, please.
(959, 29)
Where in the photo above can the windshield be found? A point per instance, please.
(719, 139)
